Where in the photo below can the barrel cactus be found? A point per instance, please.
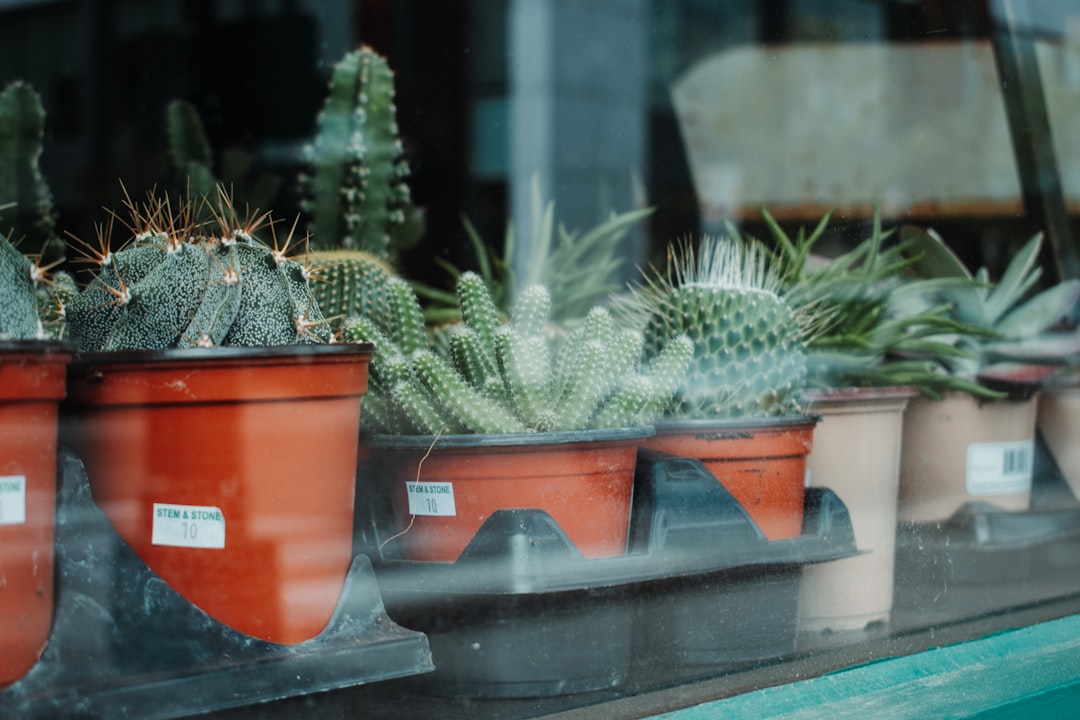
(178, 284)
(20, 279)
(749, 345)
(511, 377)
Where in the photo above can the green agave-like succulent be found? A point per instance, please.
(749, 344)
(511, 377)
(1013, 323)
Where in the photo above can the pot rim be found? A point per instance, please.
(736, 423)
(126, 357)
(40, 346)
(475, 440)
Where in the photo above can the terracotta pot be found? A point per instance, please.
(230, 472)
(1058, 419)
(960, 449)
(762, 462)
(32, 382)
(857, 455)
(583, 479)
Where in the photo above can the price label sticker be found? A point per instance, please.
(1000, 468)
(12, 499)
(431, 498)
(193, 526)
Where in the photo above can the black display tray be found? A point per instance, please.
(522, 613)
(125, 645)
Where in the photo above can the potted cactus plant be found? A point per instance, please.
(738, 408)
(961, 448)
(217, 420)
(33, 360)
(32, 383)
(513, 418)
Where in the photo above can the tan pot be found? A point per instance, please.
(960, 449)
(857, 455)
(1059, 422)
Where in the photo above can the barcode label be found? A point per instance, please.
(1000, 468)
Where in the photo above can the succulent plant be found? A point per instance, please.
(749, 344)
(579, 269)
(351, 284)
(511, 377)
(863, 339)
(26, 205)
(177, 283)
(1013, 322)
(355, 193)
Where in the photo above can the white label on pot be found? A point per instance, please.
(1000, 468)
(12, 499)
(194, 526)
(431, 498)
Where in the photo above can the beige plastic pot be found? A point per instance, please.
(961, 449)
(1058, 420)
(857, 455)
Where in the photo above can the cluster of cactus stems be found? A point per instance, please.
(26, 205)
(749, 345)
(179, 283)
(510, 377)
(355, 193)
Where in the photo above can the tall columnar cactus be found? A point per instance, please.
(513, 377)
(26, 205)
(176, 284)
(189, 150)
(355, 193)
(749, 346)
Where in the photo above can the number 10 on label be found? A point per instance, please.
(431, 498)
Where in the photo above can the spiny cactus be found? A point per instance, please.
(355, 193)
(179, 284)
(349, 284)
(26, 205)
(749, 346)
(512, 377)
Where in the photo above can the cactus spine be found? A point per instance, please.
(509, 378)
(179, 284)
(355, 194)
(749, 345)
(32, 217)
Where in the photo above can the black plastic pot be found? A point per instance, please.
(523, 614)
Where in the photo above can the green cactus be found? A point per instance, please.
(26, 205)
(749, 345)
(19, 281)
(350, 283)
(189, 150)
(174, 286)
(511, 378)
(355, 194)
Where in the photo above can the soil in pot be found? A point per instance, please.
(583, 479)
(761, 462)
(231, 473)
(32, 382)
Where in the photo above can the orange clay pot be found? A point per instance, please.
(583, 479)
(230, 472)
(761, 462)
(32, 381)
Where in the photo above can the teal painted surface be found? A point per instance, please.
(985, 679)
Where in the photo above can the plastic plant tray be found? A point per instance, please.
(124, 644)
(522, 613)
